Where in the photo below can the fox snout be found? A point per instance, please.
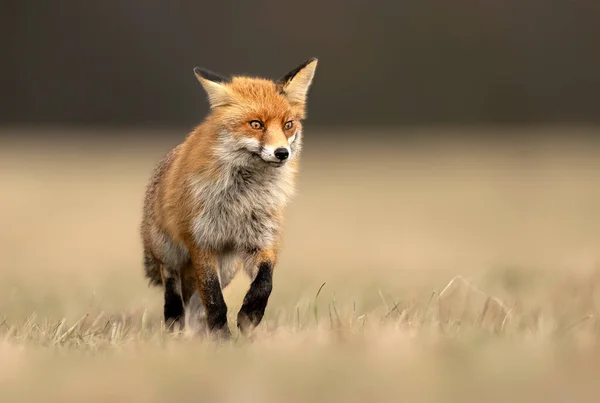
(276, 147)
(275, 155)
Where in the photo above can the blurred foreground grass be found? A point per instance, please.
(453, 270)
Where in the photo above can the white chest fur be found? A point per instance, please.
(241, 209)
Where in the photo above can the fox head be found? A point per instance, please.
(258, 119)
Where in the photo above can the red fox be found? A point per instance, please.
(216, 201)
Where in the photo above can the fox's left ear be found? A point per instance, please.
(296, 83)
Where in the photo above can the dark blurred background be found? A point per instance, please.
(382, 63)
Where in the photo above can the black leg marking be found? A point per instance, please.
(173, 304)
(214, 304)
(255, 302)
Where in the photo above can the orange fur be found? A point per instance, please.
(224, 189)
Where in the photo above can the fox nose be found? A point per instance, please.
(282, 153)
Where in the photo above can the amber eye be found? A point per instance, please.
(288, 125)
(256, 125)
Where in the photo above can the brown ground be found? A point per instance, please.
(454, 270)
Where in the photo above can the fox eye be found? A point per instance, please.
(256, 125)
(288, 125)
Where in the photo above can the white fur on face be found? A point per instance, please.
(249, 143)
(233, 150)
(229, 147)
(293, 138)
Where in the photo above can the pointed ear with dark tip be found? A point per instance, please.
(295, 84)
(215, 86)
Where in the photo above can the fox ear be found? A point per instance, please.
(214, 85)
(296, 83)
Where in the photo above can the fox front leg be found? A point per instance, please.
(209, 287)
(259, 266)
(173, 308)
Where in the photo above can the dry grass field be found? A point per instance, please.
(430, 270)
